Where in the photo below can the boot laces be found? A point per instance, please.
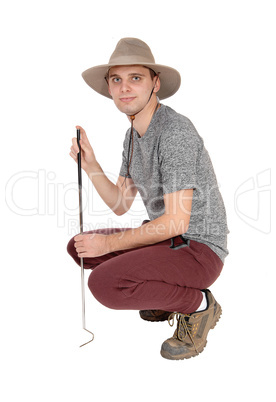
(183, 326)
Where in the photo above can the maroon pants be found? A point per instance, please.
(154, 277)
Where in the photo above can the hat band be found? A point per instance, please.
(119, 61)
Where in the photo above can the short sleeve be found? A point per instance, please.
(178, 159)
(125, 157)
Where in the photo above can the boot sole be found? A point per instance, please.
(168, 356)
(154, 320)
(216, 316)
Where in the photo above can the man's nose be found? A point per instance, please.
(125, 87)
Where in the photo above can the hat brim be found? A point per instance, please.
(169, 78)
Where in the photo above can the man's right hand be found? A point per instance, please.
(88, 159)
(118, 197)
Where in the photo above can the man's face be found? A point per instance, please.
(130, 87)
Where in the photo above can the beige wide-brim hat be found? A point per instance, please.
(132, 51)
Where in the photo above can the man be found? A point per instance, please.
(164, 267)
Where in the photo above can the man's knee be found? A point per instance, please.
(104, 287)
(72, 250)
(97, 286)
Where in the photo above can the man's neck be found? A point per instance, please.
(142, 119)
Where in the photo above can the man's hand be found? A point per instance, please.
(91, 245)
(117, 197)
(88, 159)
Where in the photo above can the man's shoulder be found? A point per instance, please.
(170, 116)
(174, 124)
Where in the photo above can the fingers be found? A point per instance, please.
(87, 151)
(79, 237)
(73, 156)
(84, 142)
(80, 247)
(83, 136)
(75, 148)
(80, 128)
(84, 146)
(82, 253)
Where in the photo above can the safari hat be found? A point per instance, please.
(132, 51)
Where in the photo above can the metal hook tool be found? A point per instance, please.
(81, 231)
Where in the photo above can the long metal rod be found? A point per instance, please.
(81, 231)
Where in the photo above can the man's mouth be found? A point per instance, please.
(127, 99)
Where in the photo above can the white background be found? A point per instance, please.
(225, 52)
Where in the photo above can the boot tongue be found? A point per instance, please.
(183, 327)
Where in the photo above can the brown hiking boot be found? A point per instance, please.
(154, 315)
(190, 337)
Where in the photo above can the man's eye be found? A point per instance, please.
(136, 78)
(116, 79)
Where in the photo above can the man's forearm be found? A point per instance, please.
(160, 229)
(173, 222)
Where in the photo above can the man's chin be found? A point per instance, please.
(127, 109)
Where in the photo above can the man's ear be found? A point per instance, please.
(157, 85)
(107, 82)
(108, 86)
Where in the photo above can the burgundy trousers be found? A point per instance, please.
(154, 277)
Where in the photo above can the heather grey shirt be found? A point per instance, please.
(170, 157)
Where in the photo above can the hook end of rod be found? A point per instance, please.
(86, 343)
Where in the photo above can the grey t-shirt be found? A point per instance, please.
(170, 157)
